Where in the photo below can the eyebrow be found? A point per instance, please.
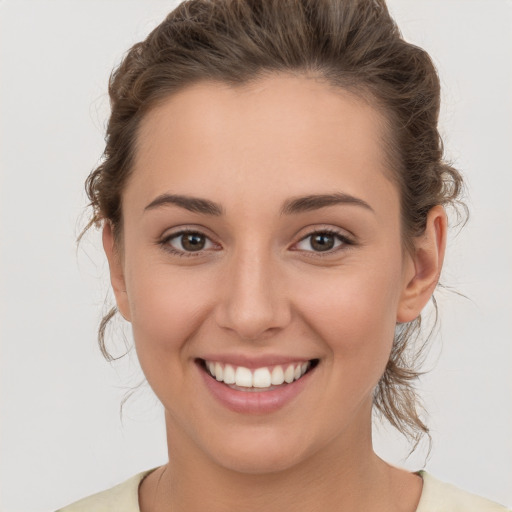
(193, 204)
(291, 206)
(317, 201)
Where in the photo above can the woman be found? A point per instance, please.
(272, 205)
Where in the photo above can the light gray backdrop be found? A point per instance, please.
(61, 435)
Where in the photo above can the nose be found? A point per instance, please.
(253, 304)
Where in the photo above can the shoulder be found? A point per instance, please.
(124, 496)
(440, 496)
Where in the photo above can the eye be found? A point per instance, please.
(187, 242)
(323, 241)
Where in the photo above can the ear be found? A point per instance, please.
(426, 263)
(117, 278)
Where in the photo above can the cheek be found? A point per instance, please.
(354, 311)
(167, 307)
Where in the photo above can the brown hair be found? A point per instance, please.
(351, 44)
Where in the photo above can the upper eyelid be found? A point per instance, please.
(342, 233)
(170, 236)
(345, 238)
(185, 230)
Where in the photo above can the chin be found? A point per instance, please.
(258, 458)
(260, 449)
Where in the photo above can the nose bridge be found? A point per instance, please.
(253, 302)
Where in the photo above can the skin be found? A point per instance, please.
(259, 287)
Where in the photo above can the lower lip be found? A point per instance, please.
(254, 402)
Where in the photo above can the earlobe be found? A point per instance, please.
(427, 261)
(117, 278)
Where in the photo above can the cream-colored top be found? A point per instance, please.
(436, 496)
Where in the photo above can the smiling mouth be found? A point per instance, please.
(265, 378)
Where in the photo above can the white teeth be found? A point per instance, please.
(229, 374)
(261, 378)
(243, 377)
(289, 374)
(258, 378)
(277, 377)
(219, 372)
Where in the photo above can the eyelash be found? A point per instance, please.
(345, 241)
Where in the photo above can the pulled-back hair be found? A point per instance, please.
(351, 44)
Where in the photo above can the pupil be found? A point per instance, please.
(193, 242)
(322, 242)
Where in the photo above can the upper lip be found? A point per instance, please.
(253, 362)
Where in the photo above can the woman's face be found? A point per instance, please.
(262, 232)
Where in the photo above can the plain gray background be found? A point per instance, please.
(61, 435)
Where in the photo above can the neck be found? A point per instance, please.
(345, 475)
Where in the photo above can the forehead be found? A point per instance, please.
(280, 134)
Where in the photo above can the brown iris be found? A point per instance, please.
(322, 241)
(192, 241)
